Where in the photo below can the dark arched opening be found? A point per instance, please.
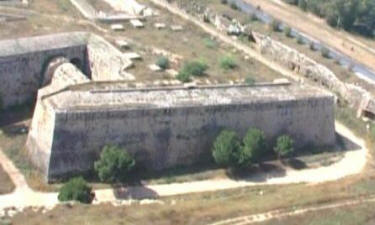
(77, 62)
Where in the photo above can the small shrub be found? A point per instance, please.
(183, 77)
(76, 189)
(249, 80)
(300, 40)
(254, 145)
(163, 62)
(312, 46)
(224, 2)
(288, 32)
(351, 67)
(195, 68)
(275, 25)
(227, 63)
(325, 52)
(253, 17)
(225, 148)
(284, 146)
(209, 43)
(114, 164)
(234, 6)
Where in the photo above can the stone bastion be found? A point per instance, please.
(166, 127)
(24, 61)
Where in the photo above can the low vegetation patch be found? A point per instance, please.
(276, 25)
(163, 62)
(288, 32)
(325, 52)
(249, 80)
(227, 62)
(193, 68)
(76, 189)
(209, 43)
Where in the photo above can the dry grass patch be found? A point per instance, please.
(6, 184)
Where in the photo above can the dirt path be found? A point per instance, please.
(319, 30)
(277, 214)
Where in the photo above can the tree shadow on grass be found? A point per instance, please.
(295, 163)
(260, 173)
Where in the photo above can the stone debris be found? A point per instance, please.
(177, 28)
(150, 201)
(136, 23)
(281, 81)
(159, 25)
(149, 12)
(166, 82)
(154, 67)
(122, 44)
(157, 83)
(190, 85)
(140, 85)
(172, 72)
(132, 56)
(117, 27)
(175, 82)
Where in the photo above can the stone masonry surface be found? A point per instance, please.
(169, 127)
(23, 62)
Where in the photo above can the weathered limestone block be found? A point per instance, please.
(170, 127)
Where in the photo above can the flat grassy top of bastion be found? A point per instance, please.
(188, 44)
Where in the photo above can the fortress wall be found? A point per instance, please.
(43, 122)
(161, 138)
(21, 75)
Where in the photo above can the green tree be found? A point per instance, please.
(284, 146)
(114, 164)
(76, 189)
(254, 145)
(225, 148)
